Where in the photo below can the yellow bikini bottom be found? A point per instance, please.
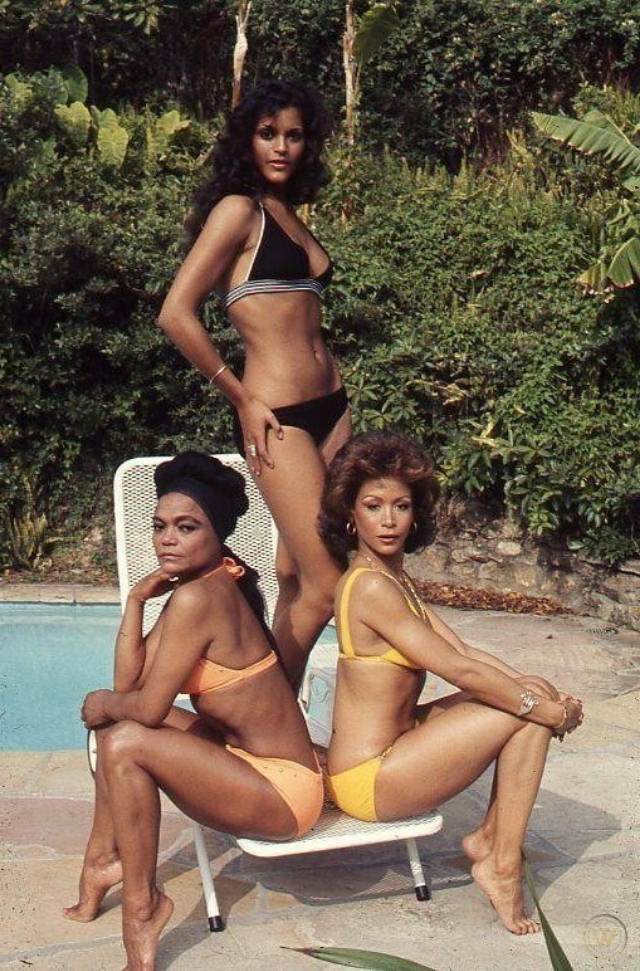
(353, 790)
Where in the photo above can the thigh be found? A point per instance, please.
(207, 782)
(285, 565)
(337, 437)
(292, 490)
(441, 756)
(432, 709)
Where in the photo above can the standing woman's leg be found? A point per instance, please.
(292, 490)
(288, 583)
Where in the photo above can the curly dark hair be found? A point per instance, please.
(234, 170)
(376, 455)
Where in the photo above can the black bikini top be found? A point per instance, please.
(279, 265)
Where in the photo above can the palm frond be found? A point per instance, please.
(351, 957)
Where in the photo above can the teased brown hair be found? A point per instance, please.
(376, 455)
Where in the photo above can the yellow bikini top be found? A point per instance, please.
(392, 656)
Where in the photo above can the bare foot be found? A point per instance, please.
(477, 845)
(95, 881)
(141, 936)
(504, 891)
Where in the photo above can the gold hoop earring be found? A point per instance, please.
(350, 528)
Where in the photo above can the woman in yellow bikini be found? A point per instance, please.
(244, 763)
(388, 759)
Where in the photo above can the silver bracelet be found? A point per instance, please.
(218, 372)
(528, 702)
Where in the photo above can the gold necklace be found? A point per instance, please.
(405, 583)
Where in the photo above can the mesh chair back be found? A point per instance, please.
(254, 538)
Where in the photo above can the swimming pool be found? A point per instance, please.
(50, 656)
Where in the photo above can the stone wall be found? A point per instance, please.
(474, 549)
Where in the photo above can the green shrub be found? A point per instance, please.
(453, 314)
(456, 316)
(87, 253)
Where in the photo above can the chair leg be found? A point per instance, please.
(210, 900)
(422, 890)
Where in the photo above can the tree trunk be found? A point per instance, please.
(240, 49)
(349, 74)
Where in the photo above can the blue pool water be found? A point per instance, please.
(51, 655)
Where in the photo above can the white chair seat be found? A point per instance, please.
(335, 831)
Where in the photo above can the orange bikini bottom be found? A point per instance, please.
(301, 788)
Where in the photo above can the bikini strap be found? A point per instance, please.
(346, 646)
(235, 570)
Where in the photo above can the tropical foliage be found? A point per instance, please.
(451, 78)
(454, 311)
(596, 134)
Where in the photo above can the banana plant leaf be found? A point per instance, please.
(624, 269)
(376, 25)
(349, 957)
(559, 960)
(591, 138)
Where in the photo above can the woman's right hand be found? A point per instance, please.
(256, 419)
(573, 708)
(153, 585)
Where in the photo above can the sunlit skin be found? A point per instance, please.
(278, 146)
(436, 750)
(145, 743)
(286, 363)
(183, 539)
(383, 516)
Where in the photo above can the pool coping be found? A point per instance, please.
(59, 593)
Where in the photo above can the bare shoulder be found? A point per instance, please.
(235, 212)
(190, 598)
(371, 588)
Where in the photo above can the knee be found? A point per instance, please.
(119, 743)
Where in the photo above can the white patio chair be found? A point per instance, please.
(254, 540)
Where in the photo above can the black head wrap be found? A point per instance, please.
(218, 489)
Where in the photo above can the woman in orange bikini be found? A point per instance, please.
(291, 410)
(244, 763)
(387, 759)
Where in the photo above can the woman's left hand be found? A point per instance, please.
(93, 711)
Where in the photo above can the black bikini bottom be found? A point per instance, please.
(318, 417)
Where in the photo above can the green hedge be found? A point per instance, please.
(454, 315)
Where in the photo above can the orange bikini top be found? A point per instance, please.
(392, 656)
(207, 675)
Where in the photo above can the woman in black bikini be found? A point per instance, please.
(292, 413)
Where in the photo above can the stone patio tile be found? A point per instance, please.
(46, 828)
(36, 593)
(19, 770)
(89, 594)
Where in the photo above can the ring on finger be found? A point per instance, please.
(252, 451)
